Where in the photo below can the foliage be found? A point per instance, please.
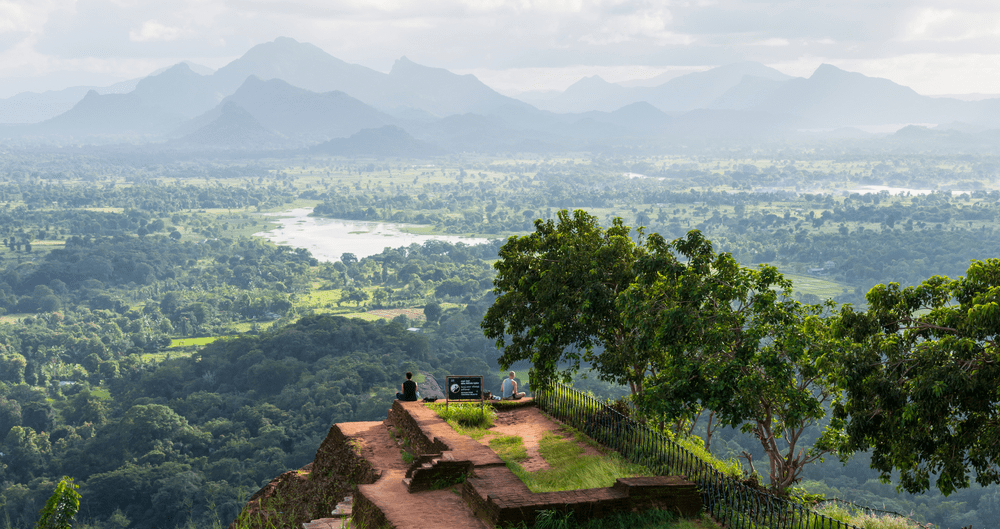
(651, 519)
(94, 345)
(467, 414)
(62, 506)
(920, 368)
(866, 520)
(729, 338)
(556, 290)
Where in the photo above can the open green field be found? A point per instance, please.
(158, 357)
(193, 342)
(821, 287)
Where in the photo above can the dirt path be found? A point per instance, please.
(531, 425)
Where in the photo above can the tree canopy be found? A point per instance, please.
(921, 370)
(727, 338)
(687, 328)
(556, 290)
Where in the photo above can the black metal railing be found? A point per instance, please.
(737, 504)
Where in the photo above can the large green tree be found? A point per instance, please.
(921, 372)
(727, 338)
(556, 290)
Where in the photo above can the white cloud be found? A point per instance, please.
(153, 30)
(951, 25)
(491, 36)
(28, 16)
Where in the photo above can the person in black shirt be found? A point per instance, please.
(409, 389)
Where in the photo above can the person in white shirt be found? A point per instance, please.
(508, 388)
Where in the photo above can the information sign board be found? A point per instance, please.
(464, 387)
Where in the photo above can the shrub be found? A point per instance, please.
(470, 415)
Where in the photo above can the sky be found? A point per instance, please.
(934, 47)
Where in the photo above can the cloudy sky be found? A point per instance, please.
(935, 47)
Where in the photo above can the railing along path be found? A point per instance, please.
(729, 500)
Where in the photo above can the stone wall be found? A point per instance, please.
(313, 491)
(502, 499)
(421, 442)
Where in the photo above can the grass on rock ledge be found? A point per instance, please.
(466, 418)
(570, 469)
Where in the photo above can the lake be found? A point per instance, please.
(327, 239)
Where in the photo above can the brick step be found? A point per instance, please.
(343, 509)
(326, 523)
(394, 506)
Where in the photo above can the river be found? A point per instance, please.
(328, 239)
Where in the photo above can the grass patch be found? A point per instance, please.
(867, 521)
(247, 327)
(509, 448)
(14, 318)
(164, 355)
(730, 467)
(467, 418)
(822, 288)
(570, 469)
(194, 342)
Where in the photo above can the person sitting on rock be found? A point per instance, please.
(508, 388)
(409, 389)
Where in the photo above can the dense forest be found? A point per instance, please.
(171, 362)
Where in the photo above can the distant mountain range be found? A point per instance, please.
(680, 94)
(290, 95)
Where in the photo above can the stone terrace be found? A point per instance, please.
(490, 495)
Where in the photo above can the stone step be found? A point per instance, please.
(325, 523)
(343, 509)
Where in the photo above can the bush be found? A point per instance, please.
(468, 414)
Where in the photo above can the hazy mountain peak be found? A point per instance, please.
(194, 67)
(404, 66)
(180, 68)
(830, 71)
(299, 64)
(235, 127)
(589, 81)
(285, 41)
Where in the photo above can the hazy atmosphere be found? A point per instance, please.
(935, 47)
(696, 264)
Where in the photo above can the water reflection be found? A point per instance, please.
(328, 239)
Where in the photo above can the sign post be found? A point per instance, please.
(463, 388)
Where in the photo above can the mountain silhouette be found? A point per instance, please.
(158, 104)
(382, 142)
(295, 94)
(680, 94)
(234, 127)
(297, 113)
(832, 97)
